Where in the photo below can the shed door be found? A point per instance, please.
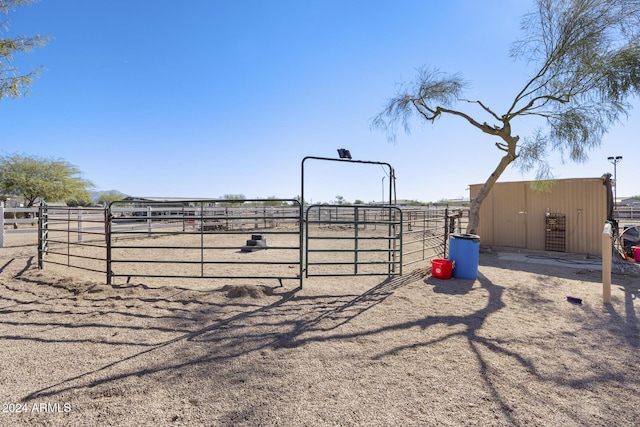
(510, 217)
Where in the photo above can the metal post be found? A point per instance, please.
(392, 186)
(446, 230)
(149, 219)
(607, 248)
(424, 230)
(392, 234)
(614, 161)
(43, 233)
(107, 235)
(68, 238)
(355, 243)
(300, 244)
(202, 220)
(1, 224)
(80, 225)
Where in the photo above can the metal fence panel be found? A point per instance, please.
(214, 239)
(425, 233)
(353, 240)
(72, 237)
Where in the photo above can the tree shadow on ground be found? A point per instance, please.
(291, 320)
(450, 287)
(630, 318)
(284, 332)
(625, 275)
(586, 270)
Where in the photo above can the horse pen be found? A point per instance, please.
(218, 313)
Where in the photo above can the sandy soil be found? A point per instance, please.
(505, 349)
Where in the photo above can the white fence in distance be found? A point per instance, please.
(18, 231)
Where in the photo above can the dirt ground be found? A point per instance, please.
(505, 349)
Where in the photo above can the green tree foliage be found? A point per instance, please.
(82, 198)
(107, 197)
(13, 84)
(234, 197)
(273, 201)
(584, 57)
(48, 179)
(340, 200)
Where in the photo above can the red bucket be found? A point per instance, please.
(442, 268)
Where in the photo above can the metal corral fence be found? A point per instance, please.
(221, 239)
(426, 232)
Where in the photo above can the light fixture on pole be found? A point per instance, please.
(614, 161)
(344, 154)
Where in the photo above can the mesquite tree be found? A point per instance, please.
(585, 61)
(34, 178)
(13, 84)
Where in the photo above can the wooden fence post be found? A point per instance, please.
(607, 248)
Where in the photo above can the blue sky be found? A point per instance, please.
(203, 98)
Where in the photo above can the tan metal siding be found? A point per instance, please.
(513, 215)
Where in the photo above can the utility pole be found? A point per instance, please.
(614, 161)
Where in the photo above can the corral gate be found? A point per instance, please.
(353, 240)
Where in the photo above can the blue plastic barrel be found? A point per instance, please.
(464, 249)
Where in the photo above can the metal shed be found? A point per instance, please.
(515, 215)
